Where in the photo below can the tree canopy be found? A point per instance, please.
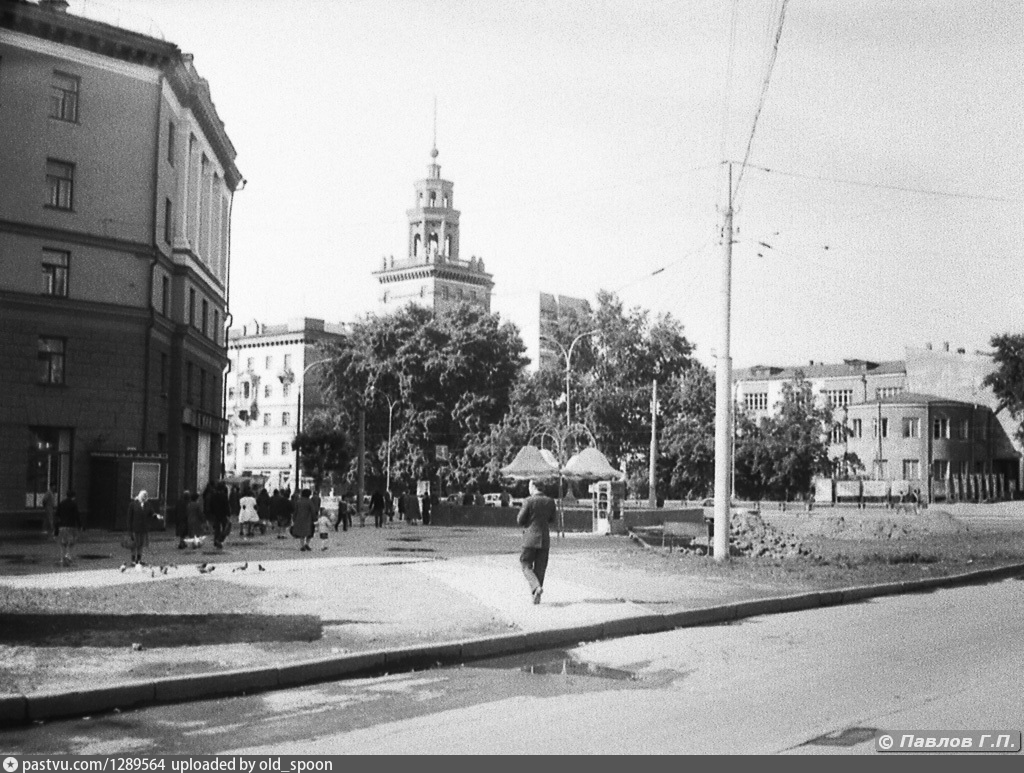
(1007, 381)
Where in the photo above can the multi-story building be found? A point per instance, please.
(553, 311)
(432, 274)
(271, 390)
(115, 203)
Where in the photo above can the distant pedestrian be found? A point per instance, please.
(219, 514)
(235, 501)
(68, 524)
(401, 506)
(279, 513)
(196, 519)
(536, 515)
(377, 508)
(323, 529)
(263, 508)
(412, 508)
(425, 508)
(140, 512)
(248, 517)
(50, 501)
(304, 520)
(317, 502)
(181, 518)
(345, 508)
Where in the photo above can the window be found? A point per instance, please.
(838, 433)
(287, 362)
(940, 469)
(266, 449)
(51, 360)
(857, 430)
(64, 97)
(202, 389)
(940, 427)
(890, 391)
(204, 319)
(163, 374)
(170, 142)
(168, 221)
(911, 428)
(963, 429)
(286, 419)
(165, 295)
(268, 363)
(229, 449)
(215, 333)
(911, 469)
(285, 449)
(249, 363)
(60, 184)
(49, 463)
(884, 426)
(192, 306)
(286, 390)
(55, 273)
(248, 449)
(245, 390)
(231, 393)
(266, 420)
(189, 368)
(755, 401)
(266, 390)
(839, 398)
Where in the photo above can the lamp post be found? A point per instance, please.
(568, 361)
(387, 463)
(298, 417)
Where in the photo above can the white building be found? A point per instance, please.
(271, 390)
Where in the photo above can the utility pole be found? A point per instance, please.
(360, 472)
(723, 395)
(652, 496)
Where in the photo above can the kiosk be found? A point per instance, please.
(606, 502)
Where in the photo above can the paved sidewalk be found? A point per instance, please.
(383, 600)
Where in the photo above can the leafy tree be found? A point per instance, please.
(1007, 380)
(687, 460)
(779, 456)
(323, 446)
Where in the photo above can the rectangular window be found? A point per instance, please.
(268, 363)
(202, 389)
(940, 469)
(60, 184)
(215, 333)
(248, 449)
(285, 449)
(911, 428)
(228, 449)
(286, 419)
(756, 401)
(266, 420)
(55, 272)
(287, 362)
(49, 464)
(266, 449)
(940, 428)
(838, 433)
(165, 295)
(249, 363)
(170, 142)
(205, 317)
(245, 390)
(51, 360)
(64, 97)
(286, 390)
(890, 391)
(963, 429)
(911, 469)
(884, 425)
(192, 307)
(266, 390)
(857, 430)
(839, 398)
(189, 368)
(168, 221)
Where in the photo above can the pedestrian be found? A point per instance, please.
(263, 508)
(377, 508)
(317, 502)
(181, 518)
(248, 517)
(412, 508)
(535, 516)
(68, 523)
(323, 527)
(50, 500)
(140, 512)
(279, 513)
(195, 518)
(304, 520)
(389, 506)
(345, 508)
(235, 501)
(425, 508)
(219, 514)
(401, 507)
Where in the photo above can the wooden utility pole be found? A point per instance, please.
(652, 496)
(723, 395)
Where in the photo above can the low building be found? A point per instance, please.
(271, 389)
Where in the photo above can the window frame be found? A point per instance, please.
(59, 97)
(60, 186)
(53, 376)
(50, 277)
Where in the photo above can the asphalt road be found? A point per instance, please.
(814, 682)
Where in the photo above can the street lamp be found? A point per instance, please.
(298, 418)
(568, 361)
(392, 404)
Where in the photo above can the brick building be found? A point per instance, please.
(118, 179)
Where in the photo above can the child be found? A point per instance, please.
(323, 527)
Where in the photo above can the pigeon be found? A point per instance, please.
(163, 570)
(204, 568)
(262, 569)
(124, 567)
(152, 572)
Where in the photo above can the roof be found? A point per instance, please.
(815, 370)
(912, 398)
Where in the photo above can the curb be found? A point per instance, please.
(18, 709)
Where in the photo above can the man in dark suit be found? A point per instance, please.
(536, 515)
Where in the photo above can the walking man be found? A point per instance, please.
(536, 515)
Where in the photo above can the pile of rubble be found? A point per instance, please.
(750, 536)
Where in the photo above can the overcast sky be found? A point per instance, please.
(585, 140)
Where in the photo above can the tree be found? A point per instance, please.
(323, 446)
(687, 461)
(779, 456)
(1007, 380)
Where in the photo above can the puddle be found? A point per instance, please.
(411, 550)
(556, 663)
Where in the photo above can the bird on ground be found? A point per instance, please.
(241, 568)
(124, 567)
(262, 569)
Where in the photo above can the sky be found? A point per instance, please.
(586, 140)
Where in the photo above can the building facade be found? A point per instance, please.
(115, 207)
(432, 274)
(271, 390)
(554, 311)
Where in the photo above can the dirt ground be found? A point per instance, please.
(51, 638)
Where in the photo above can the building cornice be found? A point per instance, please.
(57, 307)
(81, 238)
